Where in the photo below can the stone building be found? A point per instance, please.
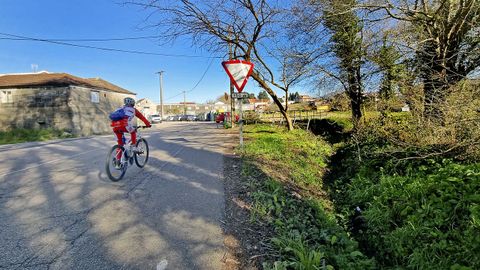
(58, 100)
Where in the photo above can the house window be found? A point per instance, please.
(95, 97)
(6, 97)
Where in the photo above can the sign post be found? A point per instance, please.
(239, 71)
(241, 120)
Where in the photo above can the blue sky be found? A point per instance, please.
(82, 19)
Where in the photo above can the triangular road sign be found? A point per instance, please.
(238, 71)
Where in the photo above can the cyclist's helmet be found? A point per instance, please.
(128, 101)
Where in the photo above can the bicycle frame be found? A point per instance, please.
(127, 144)
(120, 156)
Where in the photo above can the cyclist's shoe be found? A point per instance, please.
(117, 163)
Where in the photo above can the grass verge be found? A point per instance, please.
(287, 195)
(31, 135)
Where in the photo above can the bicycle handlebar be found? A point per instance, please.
(138, 127)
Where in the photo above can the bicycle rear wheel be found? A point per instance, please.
(115, 167)
(141, 156)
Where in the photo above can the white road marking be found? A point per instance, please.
(51, 161)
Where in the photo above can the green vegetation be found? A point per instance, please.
(30, 135)
(419, 213)
(423, 216)
(296, 156)
(291, 199)
(419, 210)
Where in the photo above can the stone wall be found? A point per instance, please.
(89, 117)
(34, 108)
(69, 108)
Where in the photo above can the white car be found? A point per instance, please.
(155, 118)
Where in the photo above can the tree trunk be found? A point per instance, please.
(280, 106)
(438, 73)
(354, 91)
(356, 103)
(288, 120)
(434, 96)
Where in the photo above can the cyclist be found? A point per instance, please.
(126, 124)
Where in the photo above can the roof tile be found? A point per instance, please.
(47, 79)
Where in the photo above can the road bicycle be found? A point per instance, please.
(120, 157)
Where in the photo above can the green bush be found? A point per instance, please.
(419, 212)
(423, 215)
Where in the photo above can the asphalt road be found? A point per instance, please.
(59, 210)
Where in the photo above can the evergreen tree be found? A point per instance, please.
(263, 95)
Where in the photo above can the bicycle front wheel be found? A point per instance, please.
(114, 165)
(141, 156)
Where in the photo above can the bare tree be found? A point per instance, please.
(447, 42)
(330, 35)
(253, 28)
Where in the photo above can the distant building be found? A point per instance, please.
(258, 104)
(58, 100)
(304, 98)
(193, 108)
(146, 107)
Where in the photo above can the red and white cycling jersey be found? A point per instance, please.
(129, 121)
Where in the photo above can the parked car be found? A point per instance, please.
(191, 117)
(221, 117)
(201, 117)
(169, 118)
(155, 118)
(188, 117)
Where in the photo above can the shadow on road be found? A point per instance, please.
(69, 215)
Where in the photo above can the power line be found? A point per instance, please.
(198, 82)
(88, 39)
(24, 38)
(203, 76)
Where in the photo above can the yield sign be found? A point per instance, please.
(238, 71)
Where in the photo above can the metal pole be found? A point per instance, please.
(232, 101)
(161, 93)
(241, 122)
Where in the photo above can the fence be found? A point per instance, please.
(299, 118)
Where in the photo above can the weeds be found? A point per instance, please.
(30, 135)
(306, 233)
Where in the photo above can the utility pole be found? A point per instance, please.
(161, 93)
(184, 104)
